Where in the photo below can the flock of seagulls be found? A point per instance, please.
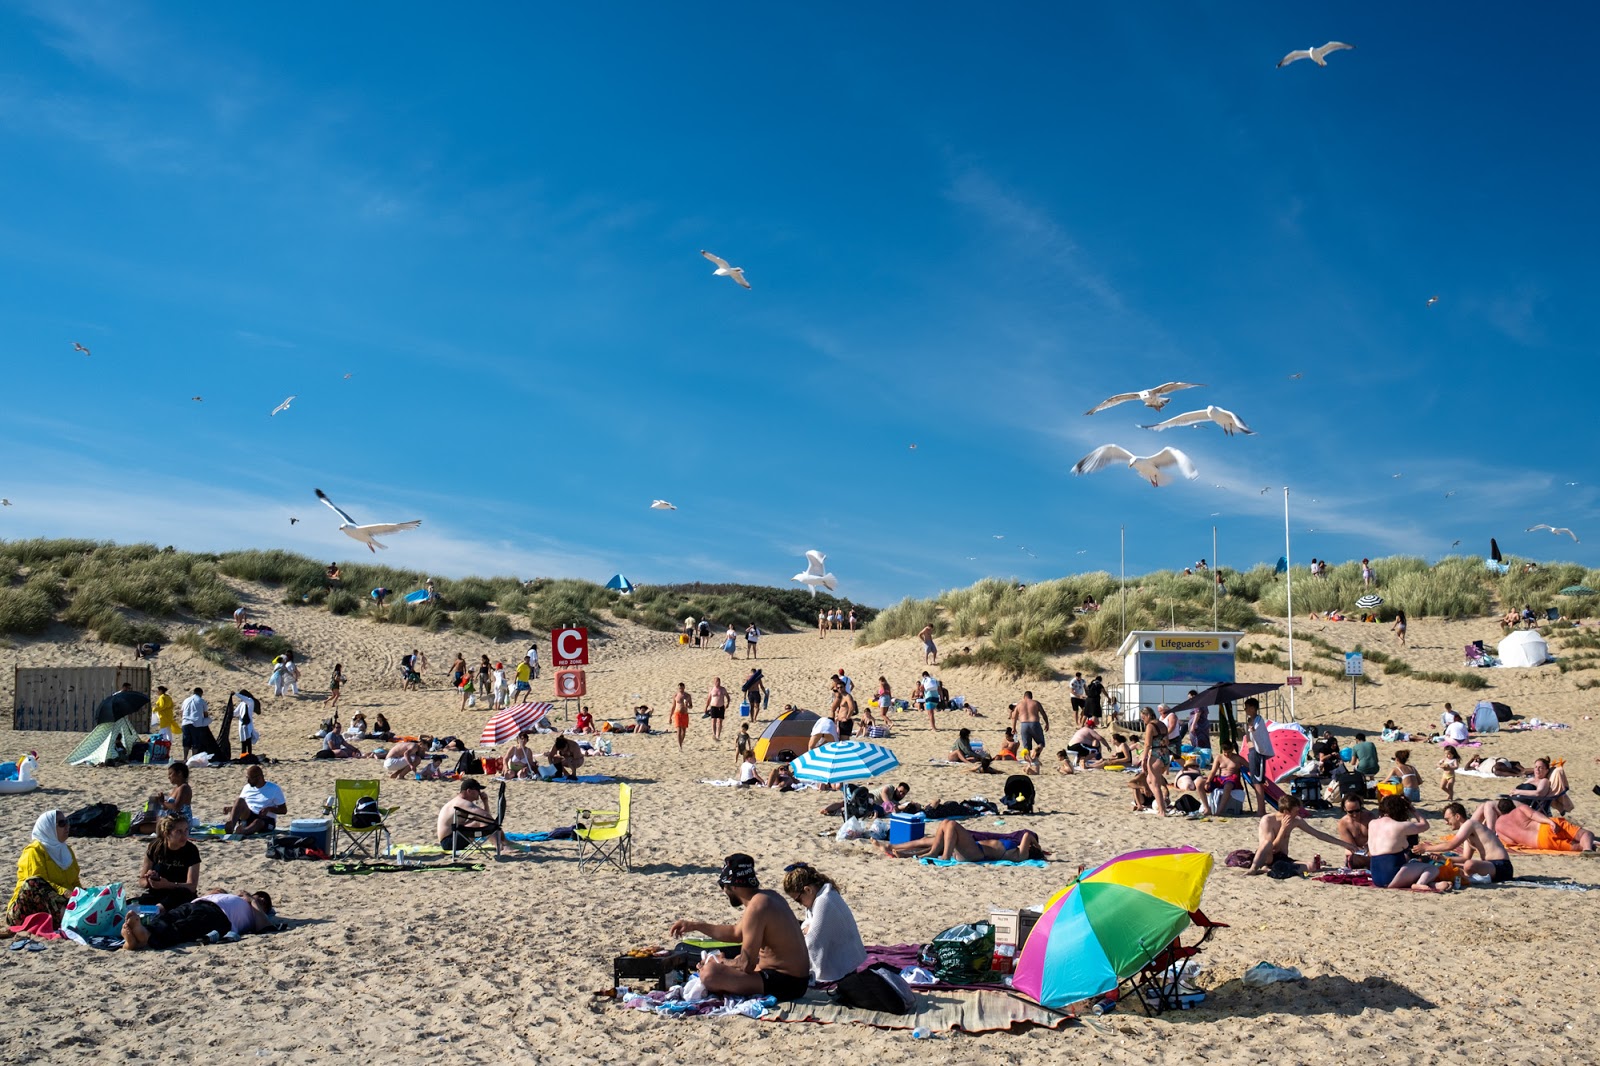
(1163, 467)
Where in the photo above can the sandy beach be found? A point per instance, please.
(501, 965)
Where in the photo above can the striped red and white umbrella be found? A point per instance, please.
(519, 718)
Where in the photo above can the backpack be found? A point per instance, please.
(1019, 794)
(467, 764)
(294, 846)
(366, 813)
(879, 987)
(95, 820)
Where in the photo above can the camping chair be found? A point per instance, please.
(1474, 655)
(349, 839)
(470, 834)
(1552, 614)
(606, 836)
(1160, 985)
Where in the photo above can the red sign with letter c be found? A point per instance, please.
(569, 647)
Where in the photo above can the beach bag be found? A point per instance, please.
(284, 846)
(1186, 804)
(95, 820)
(961, 954)
(1240, 858)
(469, 764)
(95, 911)
(366, 813)
(879, 987)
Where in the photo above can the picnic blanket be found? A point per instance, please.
(927, 860)
(939, 1011)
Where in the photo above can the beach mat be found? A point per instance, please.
(929, 861)
(353, 869)
(939, 1012)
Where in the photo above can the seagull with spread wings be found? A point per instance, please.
(724, 270)
(1230, 422)
(1155, 398)
(816, 573)
(1314, 54)
(1557, 530)
(79, 348)
(662, 505)
(284, 406)
(367, 534)
(1156, 469)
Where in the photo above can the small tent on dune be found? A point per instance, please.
(107, 743)
(786, 737)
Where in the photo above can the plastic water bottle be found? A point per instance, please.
(400, 858)
(921, 1032)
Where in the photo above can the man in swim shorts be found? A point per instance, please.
(1352, 830)
(1274, 832)
(1523, 827)
(681, 702)
(930, 652)
(1473, 837)
(772, 959)
(402, 759)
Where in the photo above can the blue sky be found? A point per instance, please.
(961, 232)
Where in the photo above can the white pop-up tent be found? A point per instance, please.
(1525, 647)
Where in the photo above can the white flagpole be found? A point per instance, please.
(1216, 571)
(1124, 553)
(1288, 595)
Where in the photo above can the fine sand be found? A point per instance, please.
(471, 967)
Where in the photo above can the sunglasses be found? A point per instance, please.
(793, 866)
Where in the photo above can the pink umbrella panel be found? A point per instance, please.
(518, 718)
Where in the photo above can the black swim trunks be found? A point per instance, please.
(846, 727)
(1502, 871)
(716, 712)
(783, 987)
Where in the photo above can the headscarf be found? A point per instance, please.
(44, 831)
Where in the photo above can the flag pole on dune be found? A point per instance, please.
(1216, 566)
(1288, 595)
(1123, 537)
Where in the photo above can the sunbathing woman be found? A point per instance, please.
(1405, 775)
(952, 840)
(176, 801)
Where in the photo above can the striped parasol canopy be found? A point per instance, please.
(1369, 601)
(519, 718)
(1577, 590)
(844, 760)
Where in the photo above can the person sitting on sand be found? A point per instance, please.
(749, 775)
(584, 723)
(1275, 830)
(520, 763)
(216, 916)
(1405, 775)
(1008, 745)
(380, 728)
(833, 942)
(176, 801)
(1064, 763)
(1456, 731)
(1224, 778)
(1352, 829)
(964, 752)
(1120, 753)
(403, 758)
(782, 778)
(1473, 838)
(258, 806)
(1363, 756)
(952, 840)
(466, 816)
(566, 757)
(894, 799)
(641, 718)
(1389, 848)
(1325, 751)
(773, 959)
(171, 871)
(1523, 827)
(337, 747)
(47, 872)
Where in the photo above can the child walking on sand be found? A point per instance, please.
(1448, 767)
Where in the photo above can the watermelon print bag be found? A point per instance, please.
(95, 911)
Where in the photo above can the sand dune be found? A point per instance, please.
(461, 967)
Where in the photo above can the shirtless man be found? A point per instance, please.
(1388, 848)
(1275, 830)
(1087, 744)
(952, 840)
(717, 707)
(1352, 830)
(679, 712)
(1474, 838)
(466, 816)
(772, 959)
(844, 710)
(403, 758)
(1030, 722)
(1523, 827)
(930, 653)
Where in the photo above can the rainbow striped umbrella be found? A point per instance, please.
(1109, 923)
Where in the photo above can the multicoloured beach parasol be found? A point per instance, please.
(1109, 923)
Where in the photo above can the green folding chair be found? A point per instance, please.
(358, 841)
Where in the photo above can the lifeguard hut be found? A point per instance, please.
(1161, 667)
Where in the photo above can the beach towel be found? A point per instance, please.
(350, 869)
(563, 833)
(938, 1011)
(928, 860)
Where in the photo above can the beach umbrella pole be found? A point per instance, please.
(1288, 595)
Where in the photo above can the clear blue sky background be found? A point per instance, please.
(962, 230)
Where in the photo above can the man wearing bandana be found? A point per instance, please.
(772, 959)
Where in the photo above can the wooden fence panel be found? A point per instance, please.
(63, 698)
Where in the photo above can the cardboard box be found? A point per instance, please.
(1011, 929)
(904, 828)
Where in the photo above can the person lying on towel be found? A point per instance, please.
(216, 916)
(773, 960)
(1523, 827)
(952, 840)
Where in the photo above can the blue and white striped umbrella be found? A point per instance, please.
(844, 760)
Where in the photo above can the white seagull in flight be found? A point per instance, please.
(79, 348)
(1230, 422)
(1156, 469)
(725, 271)
(1314, 54)
(1432, 300)
(284, 406)
(366, 534)
(1557, 530)
(816, 573)
(662, 505)
(1155, 398)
